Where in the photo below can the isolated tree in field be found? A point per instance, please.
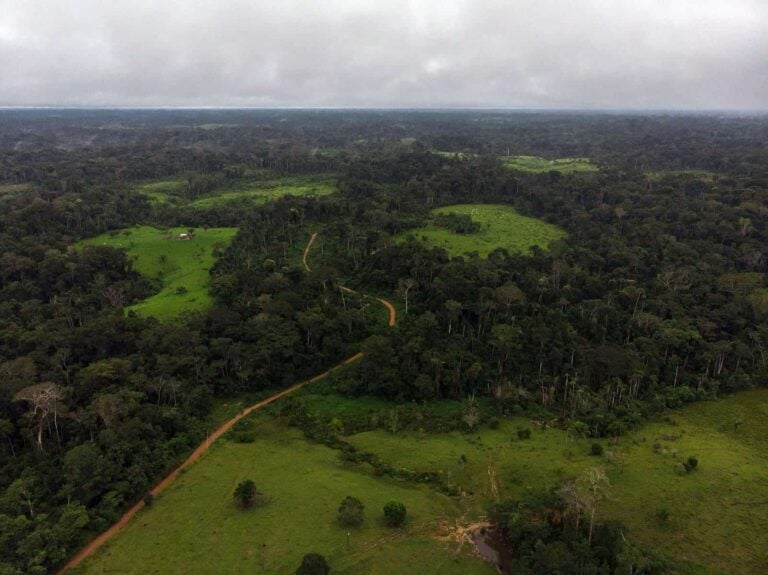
(351, 512)
(45, 400)
(313, 564)
(592, 488)
(394, 514)
(246, 494)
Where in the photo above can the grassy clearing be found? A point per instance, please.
(717, 514)
(180, 268)
(717, 521)
(261, 192)
(253, 188)
(501, 227)
(704, 175)
(537, 165)
(194, 527)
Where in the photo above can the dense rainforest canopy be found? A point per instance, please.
(655, 296)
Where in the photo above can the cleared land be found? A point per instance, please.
(180, 268)
(259, 191)
(194, 526)
(537, 165)
(501, 227)
(717, 514)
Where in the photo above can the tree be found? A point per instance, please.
(45, 399)
(351, 512)
(313, 564)
(394, 514)
(592, 489)
(246, 494)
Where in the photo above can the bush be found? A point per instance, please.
(523, 433)
(149, 499)
(351, 512)
(662, 514)
(246, 494)
(690, 464)
(394, 514)
(313, 564)
(493, 423)
(596, 449)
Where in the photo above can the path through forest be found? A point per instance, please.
(89, 549)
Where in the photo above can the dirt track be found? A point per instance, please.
(88, 550)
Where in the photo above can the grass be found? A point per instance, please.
(261, 192)
(717, 521)
(194, 527)
(253, 188)
(180, 268)
(717, 514)
(501, 227)
(704, 175)
(537, 165)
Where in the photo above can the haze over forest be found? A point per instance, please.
(582, 54)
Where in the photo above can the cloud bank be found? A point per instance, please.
(593, 54)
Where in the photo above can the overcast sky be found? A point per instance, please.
(658, 54)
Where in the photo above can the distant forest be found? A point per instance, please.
(656, 296)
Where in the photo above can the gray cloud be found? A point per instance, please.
(517, 53)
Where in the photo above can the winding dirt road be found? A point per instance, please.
(89, 549)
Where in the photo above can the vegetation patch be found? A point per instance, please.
(498, 226)
(179, 265)
(195, 527)
(202, 192)
(537, 165)
(654, 491)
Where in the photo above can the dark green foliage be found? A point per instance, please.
(313, 564)
(394, 514)
(149, 499)
(245, 494)
(596, 449)
(524, 433)
(351, 512)
(690, 464)
(540, 535)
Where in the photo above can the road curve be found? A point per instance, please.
(89, 549)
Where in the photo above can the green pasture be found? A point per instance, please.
(501, 227)
(195, 527)
(717, 514)
(537, 165)
(180, 268)
(254, 189)
(704, 175)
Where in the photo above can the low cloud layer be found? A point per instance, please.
(639, 54)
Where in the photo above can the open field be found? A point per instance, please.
(259, 191)
(717, 514)
(501, 227)
(194, 526)
(704, 175)
(537, 165)
(181, 268)
(717, 521)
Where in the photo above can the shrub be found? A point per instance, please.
(690, 464)
(493, 423)
(524, 433)
(246, 494)
(149, 499)
(394, 514)
(313, 564)
(596, 449)
(351, 512)
(662, 514)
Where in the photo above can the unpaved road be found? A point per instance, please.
(89, 549)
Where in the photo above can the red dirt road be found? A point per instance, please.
(89, 549)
